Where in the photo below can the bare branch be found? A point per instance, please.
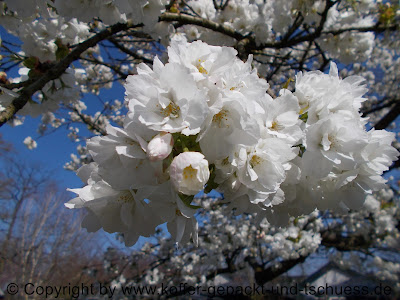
(263, 276)
(393, 113)
(129, 52)
(111, 66)
(87, 120)
(57, 70)
(186, 19)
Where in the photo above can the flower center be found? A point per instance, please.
(189, 172)
(274, 125)
(172, 110)
(200, 67)
(125, 197)
(220, 117)
(329, 142)
(130, 142)
(333, 140)
(255, 160)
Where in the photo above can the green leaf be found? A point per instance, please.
(31, 62)
(187, 200)
(304, 117)
(211, 184)
(62, 50)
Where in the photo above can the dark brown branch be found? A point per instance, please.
(246, 44)
(263, 276)
(395, 165)
(296, 24)
(378, 107)
(306, 38)
(86, 120)
(216, 5)
(112, 67)
(191, 9)
(186, 19)
(389, 117)
(316, 34)
(325, 60)
(56, 71)
(129, 52)
(375, 28)
(224, 5)
(17, 85)
(341, 243)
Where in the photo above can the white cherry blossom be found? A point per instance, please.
(167, 99)
(189, 172)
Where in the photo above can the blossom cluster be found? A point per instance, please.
(270, 20)
(238, 244)
(49, 30)
(205, 120)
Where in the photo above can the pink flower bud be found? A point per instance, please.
(160, 146)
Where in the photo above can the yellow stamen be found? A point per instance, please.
(274, 125)
(125, 197)
(220, 117)
(201, 69)
(172, 110)
(255, 160)
(189, 172)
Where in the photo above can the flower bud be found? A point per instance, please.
(160, 146)
(189, 172)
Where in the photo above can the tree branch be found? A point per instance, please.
(246, 44)
(389, 117)
(57, 70)
(263, 276)
(111, 66)
(376, 28)
(341, 243)
(190, 20)
(305, 38)
(395, 165)
(382, 105)
(129, 52)
(86, 120)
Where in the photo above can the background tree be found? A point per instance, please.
(235, 252)
(39, 241)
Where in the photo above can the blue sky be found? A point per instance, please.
(53, 150)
